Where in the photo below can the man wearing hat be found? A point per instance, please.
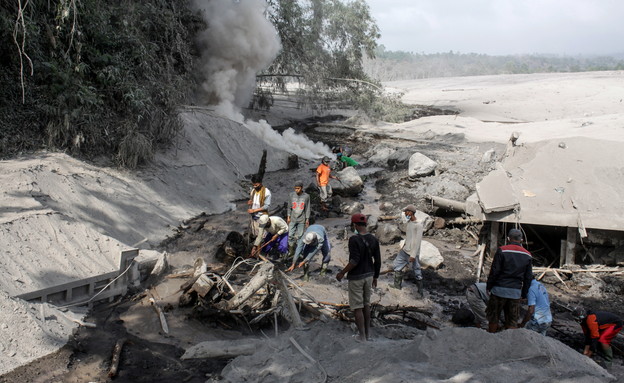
(314, 239)
(509, 281)
(323, 175)
(600, 328)
(297, 215)
(362, 272)
(273, 231)
(409, 255)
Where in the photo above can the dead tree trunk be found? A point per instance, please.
(112, 371)
(264, 274)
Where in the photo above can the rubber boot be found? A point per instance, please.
(607, 352)
(398, 280)
(291, 252)
(419, 286)
(323, 269)
(306, 272)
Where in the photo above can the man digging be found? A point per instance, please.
(314, 240)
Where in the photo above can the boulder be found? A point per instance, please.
(420, 165)
(372, 223)
(386, 207)
(400, 159)
(352, 207)
(379, 155)
(430, 256)
(350, 183)
(388, 233)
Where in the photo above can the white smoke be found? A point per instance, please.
(238, 43)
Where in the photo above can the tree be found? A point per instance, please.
(324, 43)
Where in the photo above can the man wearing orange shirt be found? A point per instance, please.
(323, 175)
(600, 328)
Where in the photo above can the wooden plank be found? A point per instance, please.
(571, 245)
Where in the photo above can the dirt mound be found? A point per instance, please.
(452, 354)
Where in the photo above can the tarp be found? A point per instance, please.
(573, 182)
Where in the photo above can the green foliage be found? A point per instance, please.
(323, 43)
(107, 76)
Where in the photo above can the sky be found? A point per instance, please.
(501, 27)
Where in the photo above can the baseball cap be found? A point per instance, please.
(264, 220)
(309, 238)
(515, 234)
(358, 218)
(411, 208)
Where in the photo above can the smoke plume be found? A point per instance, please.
(238, 43)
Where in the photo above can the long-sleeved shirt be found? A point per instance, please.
(298, 207)
(597, 321)
(320, 233)
(260, 200)
(413, 238)
(511, 272)
(278, 226)
(365, 255)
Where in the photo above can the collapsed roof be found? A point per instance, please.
(572, 182)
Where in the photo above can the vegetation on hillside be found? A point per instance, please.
(93, 77)
(399, 65)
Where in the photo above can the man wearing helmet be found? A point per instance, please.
(323, 175)
(273, 231)
(362, 272)
(314, 239)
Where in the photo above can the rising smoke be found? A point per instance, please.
(238, 43)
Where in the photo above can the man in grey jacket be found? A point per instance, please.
(409, 255)
(297, 216)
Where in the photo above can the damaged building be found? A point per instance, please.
(565, 195)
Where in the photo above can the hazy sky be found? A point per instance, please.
(499, 27)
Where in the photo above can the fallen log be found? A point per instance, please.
(447, 204)
(387, 218)
(480, 264)
(264, 274)
(221, 349)
(112, 371)
(289, 302)
(463, 221)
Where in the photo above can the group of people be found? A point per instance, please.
(511, 281)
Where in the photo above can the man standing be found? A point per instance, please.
(538, 316)
(508, 282)
(259, 203)
(323, 174)
(273, 231)
(599, 327)
(409, 255)
(362, 272)
(314, 240)
(298, 216)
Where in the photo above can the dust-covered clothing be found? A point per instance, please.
(323, 172)
(360, 292)
(365, 255)
(325, 192)
(278, 226)
(538, 297)
(600, 327)
(411, 248)
(511, 272)
(510, 307)
(259, 199)
(299, 213)
(477, 298)
(321, 243)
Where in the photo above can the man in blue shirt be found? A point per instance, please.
(538, 316)
(313, 241)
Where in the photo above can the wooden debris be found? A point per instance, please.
(203, 285)
(481, 249)
(289, 302)
(221, 349)
(447, 204)
(387, 218)
(112, 371)
(264, 274)
(161, 315)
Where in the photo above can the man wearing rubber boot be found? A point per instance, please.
(509, 281)
(314, 239)
(273, 233)
(409, 255)
(323, 175)
(362, 272)
(298, 216)
(600, 328)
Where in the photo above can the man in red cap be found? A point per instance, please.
(362, 272)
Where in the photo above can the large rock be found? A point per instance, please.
(350, 183)
(400, 159)
(388, 233)
(430, 256)
(352, 207)
(420, 165)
